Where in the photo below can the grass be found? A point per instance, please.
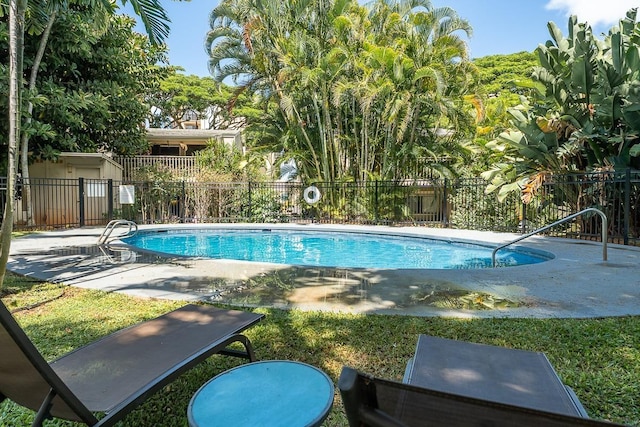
(598, 358)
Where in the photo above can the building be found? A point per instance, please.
(185, 142)
(174, 149)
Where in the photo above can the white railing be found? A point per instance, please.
(180, 166)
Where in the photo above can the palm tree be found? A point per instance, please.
(360, 89)
(255, 46)
(418, 77)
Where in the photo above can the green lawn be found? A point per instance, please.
(598, 358)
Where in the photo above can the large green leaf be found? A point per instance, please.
(507, 189)
(632, 58)
(582, 76)
(617, 52)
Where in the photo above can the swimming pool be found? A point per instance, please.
(575, 283)
(330, 249)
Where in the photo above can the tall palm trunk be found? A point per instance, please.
(327, 171)
(17, 10)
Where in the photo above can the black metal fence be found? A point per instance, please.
(460, 203)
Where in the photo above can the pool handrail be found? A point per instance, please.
(560, 221)
(106, 233)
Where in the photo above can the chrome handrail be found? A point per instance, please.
(106, 233)
(560, 221)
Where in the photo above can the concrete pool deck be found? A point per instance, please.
(576, 283)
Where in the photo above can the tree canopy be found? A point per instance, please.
(504, 81)
(91, 87)
(179, 97)
(505, 73)
(155, 20)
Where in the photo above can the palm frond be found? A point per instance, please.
(153, 17)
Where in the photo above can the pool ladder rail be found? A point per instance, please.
(112, 225)
(560, 221)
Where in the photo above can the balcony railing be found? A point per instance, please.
(181, 167)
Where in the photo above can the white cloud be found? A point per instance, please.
(594, 12)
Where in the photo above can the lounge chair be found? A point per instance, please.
(374, 402)
(506, 375)
(118, 372)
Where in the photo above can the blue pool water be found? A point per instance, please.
(328, 249)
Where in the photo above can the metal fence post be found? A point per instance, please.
(183, 203)
(375, 202)
(249, 209)
(627, 204)
(109, 200)
(81, 194)
(444, 218)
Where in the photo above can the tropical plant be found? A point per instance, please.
(266, 206)
(155, 193)
(88, 96)
(228, 162)
(584, 114)
(504, 80)
(510, 73)
(42, 24)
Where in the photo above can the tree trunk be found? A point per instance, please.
(24, 157)
(16, 42)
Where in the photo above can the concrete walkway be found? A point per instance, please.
(576, 283)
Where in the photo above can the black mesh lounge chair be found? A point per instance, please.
(374, 402)
(506, 375)
(118, 372)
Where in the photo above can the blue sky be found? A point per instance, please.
(499, 26)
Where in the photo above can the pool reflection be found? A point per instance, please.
(340, 288)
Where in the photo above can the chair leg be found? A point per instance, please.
(247, 354)
(43, 412)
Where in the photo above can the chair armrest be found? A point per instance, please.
(576, 402)
(407, 371)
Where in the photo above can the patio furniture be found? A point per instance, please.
(504, 375)
(374, 402)
(118, 372)
(267, 393)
